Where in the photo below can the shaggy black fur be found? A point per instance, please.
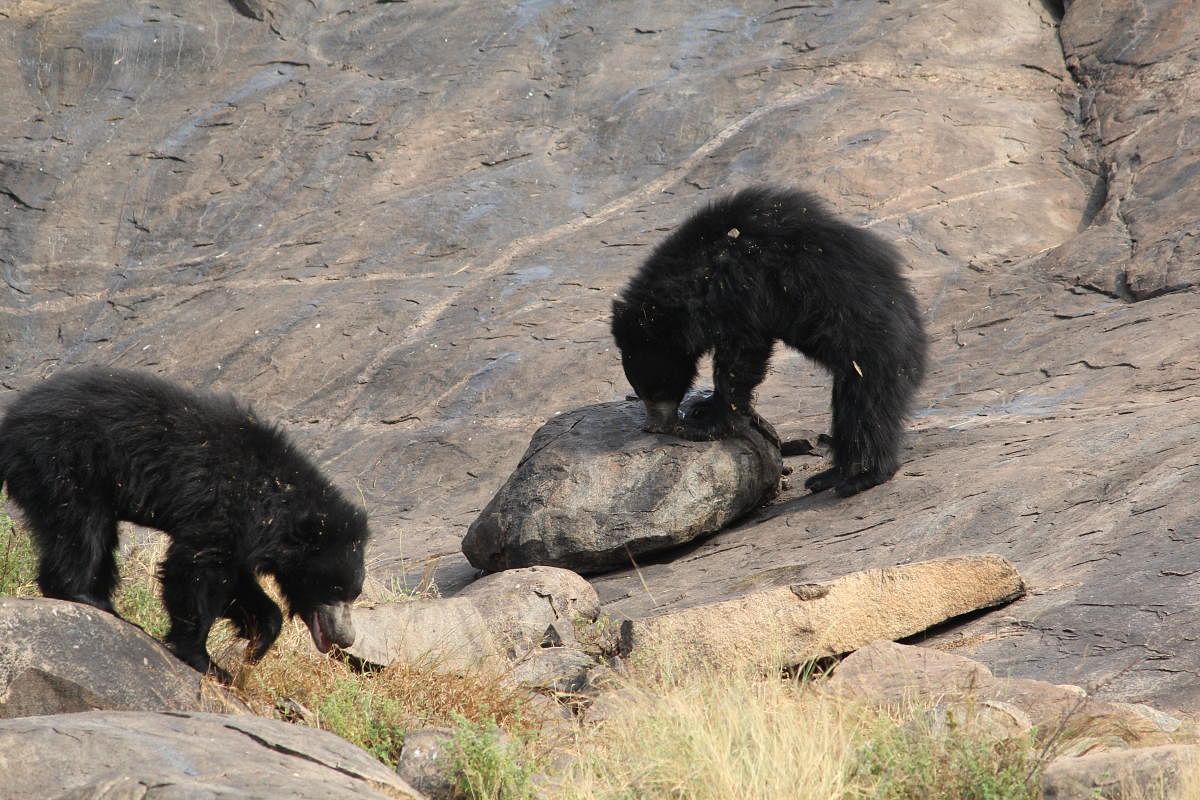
(89, 447)
(768, 264)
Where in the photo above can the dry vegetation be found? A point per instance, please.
(683, 735)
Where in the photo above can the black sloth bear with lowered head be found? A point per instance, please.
(89, 447)
(768, 264)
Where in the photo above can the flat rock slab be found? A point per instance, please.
(177, 756)
(58, 657)
(594, 491)
(797, 623)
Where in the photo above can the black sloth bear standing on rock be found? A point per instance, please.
(89, 447)
(768, 264)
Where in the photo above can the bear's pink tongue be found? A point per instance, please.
(314, 627)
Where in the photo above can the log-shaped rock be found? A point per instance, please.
(797, 623)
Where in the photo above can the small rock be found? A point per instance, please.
(519, 606)
(549, 715)
(885, 673)
(444, 634)
(293, 710)
(423, 764)
(556, 635)
(615, 703)
(501, 616)
(1123, 774)
(991, 720)
(557, 669)
(602, 678)
(594, 491)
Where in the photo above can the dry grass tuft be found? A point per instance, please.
(689, 733)
(1188, 787)
(423, 695)
(711, 736)
(139, 596)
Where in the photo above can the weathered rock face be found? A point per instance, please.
(1170, 770)
(594, 491)
(794, 624)
(1134, 65)
(58, 657)
(179, 756)
(397, 227)
(890, 674)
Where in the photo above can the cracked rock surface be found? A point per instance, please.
(397, 228)
(183, 756)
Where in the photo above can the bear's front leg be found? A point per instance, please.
(255, 615)
(194, 593)
(662, 417)
(709, 418)
(738, 368)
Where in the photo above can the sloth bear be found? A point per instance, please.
(92, 446)
(767, 264)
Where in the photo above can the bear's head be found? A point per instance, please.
(657, 364)
(323, 583)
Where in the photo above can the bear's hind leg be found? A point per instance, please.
(76, 558)
(825, 479)
(866, 431)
